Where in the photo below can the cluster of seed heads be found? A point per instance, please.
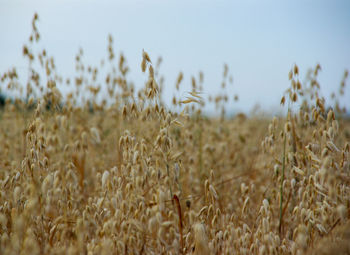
(121, 173)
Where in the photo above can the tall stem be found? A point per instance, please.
(282, 180)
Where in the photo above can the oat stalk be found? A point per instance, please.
(281, 185)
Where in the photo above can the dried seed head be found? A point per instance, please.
(213, 192)
(47, 183)
(287, 127)
(202, 210)
(298, 85)
(151, 71)
(153, 225)
(342, 212)
(95, 135)
(296, 70)
(266, 203)
(105, 179)
(143, 65)
(124, 111)
(16, 194)
(146, 56)
(201, 239)
(283, 100)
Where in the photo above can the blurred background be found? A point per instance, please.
(260, 41)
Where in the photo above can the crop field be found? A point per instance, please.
(111, 169)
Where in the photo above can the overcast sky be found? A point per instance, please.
(259, 40)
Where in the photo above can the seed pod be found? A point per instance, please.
(213, 192)
(283, 100)
(105, 178)
(143, 65)
(146, 56)
(151, 71)
(296, 70)
(201, 240)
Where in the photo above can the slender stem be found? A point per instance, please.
(200, 155)
(171, 191)
(180, 222)
(282, 180)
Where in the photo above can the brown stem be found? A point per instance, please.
(177, 201)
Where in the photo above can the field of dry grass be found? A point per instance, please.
(129, 175)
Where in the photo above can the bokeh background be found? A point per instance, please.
(259, 40)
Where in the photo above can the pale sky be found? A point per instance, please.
(259, 40)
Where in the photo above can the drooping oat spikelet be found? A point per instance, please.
(201, 239)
